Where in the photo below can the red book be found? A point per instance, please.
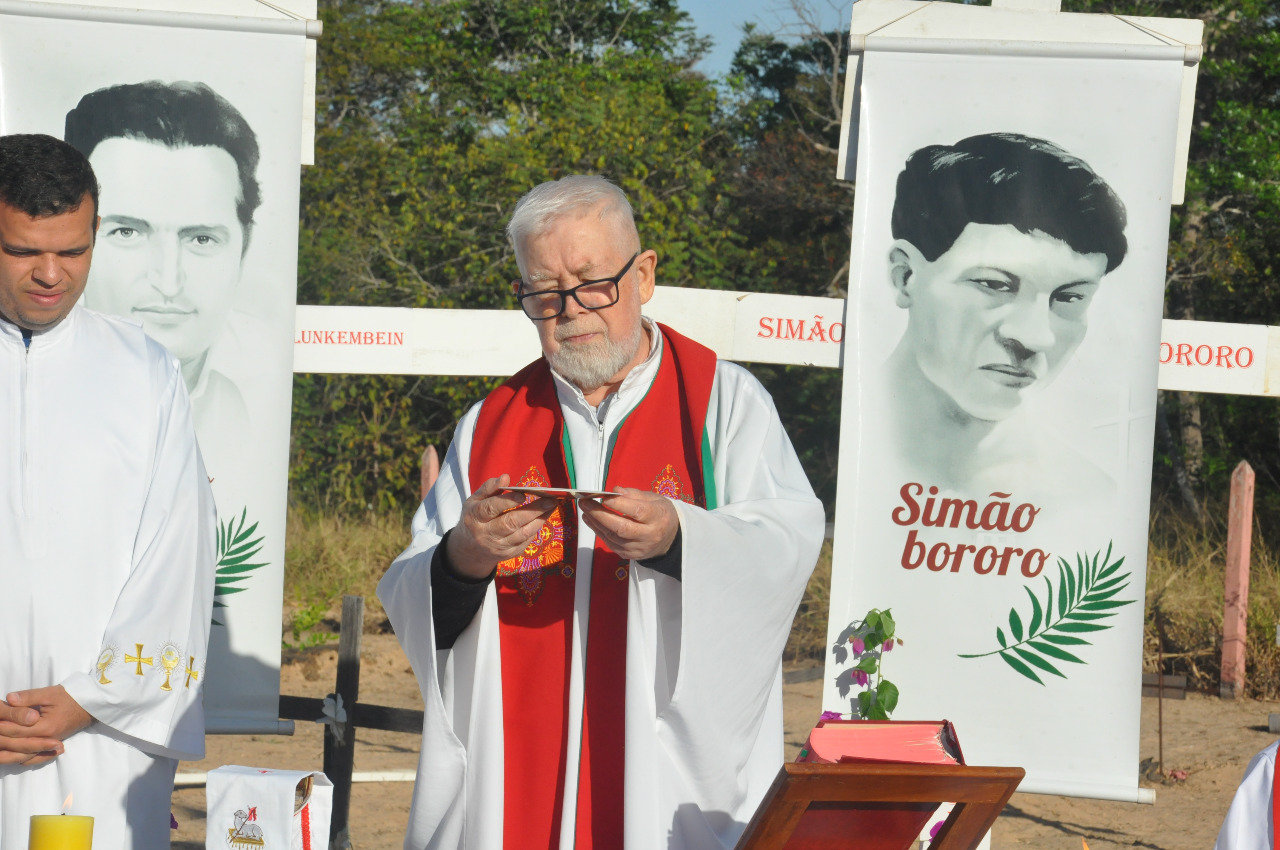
(872, 826)
(903, 741)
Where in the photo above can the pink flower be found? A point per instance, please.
(888, 645)
(858, 645)
(830, 715)
(933, 833)
(860, 677)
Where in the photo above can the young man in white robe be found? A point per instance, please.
(106, 529)
(603, 671)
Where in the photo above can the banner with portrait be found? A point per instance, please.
(1009, 247)
(198, 163)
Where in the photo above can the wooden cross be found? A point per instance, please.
(138, 659)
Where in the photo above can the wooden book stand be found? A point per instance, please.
(877, 806)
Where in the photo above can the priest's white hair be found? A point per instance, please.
(576, 194)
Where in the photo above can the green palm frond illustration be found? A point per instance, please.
(1085, 598)
(237, 547)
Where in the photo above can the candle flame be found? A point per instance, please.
(66, 804)
(1085, 843)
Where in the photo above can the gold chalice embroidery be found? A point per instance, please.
(105, 660)
(170, 658)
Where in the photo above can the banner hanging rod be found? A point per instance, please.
(1188, 54)
(149, 17)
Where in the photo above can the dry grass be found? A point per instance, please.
(1185, 599)
(808, 641)
(327, 557)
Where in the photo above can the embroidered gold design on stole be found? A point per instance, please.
(192, 672)
(669, 483)
(545, 552)
(666, 483)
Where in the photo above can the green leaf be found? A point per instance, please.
(1080, 627)
(1105, 606)
(1084, 593)
(1035, 659)
(1054, 651)
(1065, 640)
(1020, 667)
(1064, 598)
(890, 627)
(1037, 613)
(887, 693)
(242, 568)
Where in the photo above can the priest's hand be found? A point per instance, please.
(34, 723)
(636, 525)
(494, 526)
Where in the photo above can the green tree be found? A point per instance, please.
(433, 118)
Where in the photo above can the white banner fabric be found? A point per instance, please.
(999, 400)
(182, 135)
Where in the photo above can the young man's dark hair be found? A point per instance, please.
(1006, 178)
(176, 115)
(43, 176)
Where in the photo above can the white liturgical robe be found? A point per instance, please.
(1248, 825)
(703, 695)
(107, 562)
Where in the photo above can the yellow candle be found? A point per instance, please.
(61, 832)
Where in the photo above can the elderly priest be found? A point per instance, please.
(602, 671)
(106, 529)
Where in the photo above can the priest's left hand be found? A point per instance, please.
(636, 525)
(59, 717)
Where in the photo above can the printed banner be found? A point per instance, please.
(198, 166)
(1010, 232)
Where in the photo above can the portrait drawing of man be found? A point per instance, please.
(177, 163)
(1000, 244)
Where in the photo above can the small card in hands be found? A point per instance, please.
(560, 492)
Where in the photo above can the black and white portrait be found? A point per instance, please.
(195, 138)
(177, 165)
(1000, 243)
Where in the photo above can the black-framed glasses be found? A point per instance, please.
(590, 294)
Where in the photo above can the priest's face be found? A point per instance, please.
(171, 243)
(44, 263)
(591, 348)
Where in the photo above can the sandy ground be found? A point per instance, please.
(1210, 739)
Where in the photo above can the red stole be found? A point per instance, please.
(521, 431)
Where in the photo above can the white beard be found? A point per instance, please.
(590, 366)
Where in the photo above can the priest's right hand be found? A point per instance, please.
(15, 746)
(494, 526)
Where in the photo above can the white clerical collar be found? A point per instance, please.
(637, 380)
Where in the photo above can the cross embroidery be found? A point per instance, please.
(138, 659)
(192, 673)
